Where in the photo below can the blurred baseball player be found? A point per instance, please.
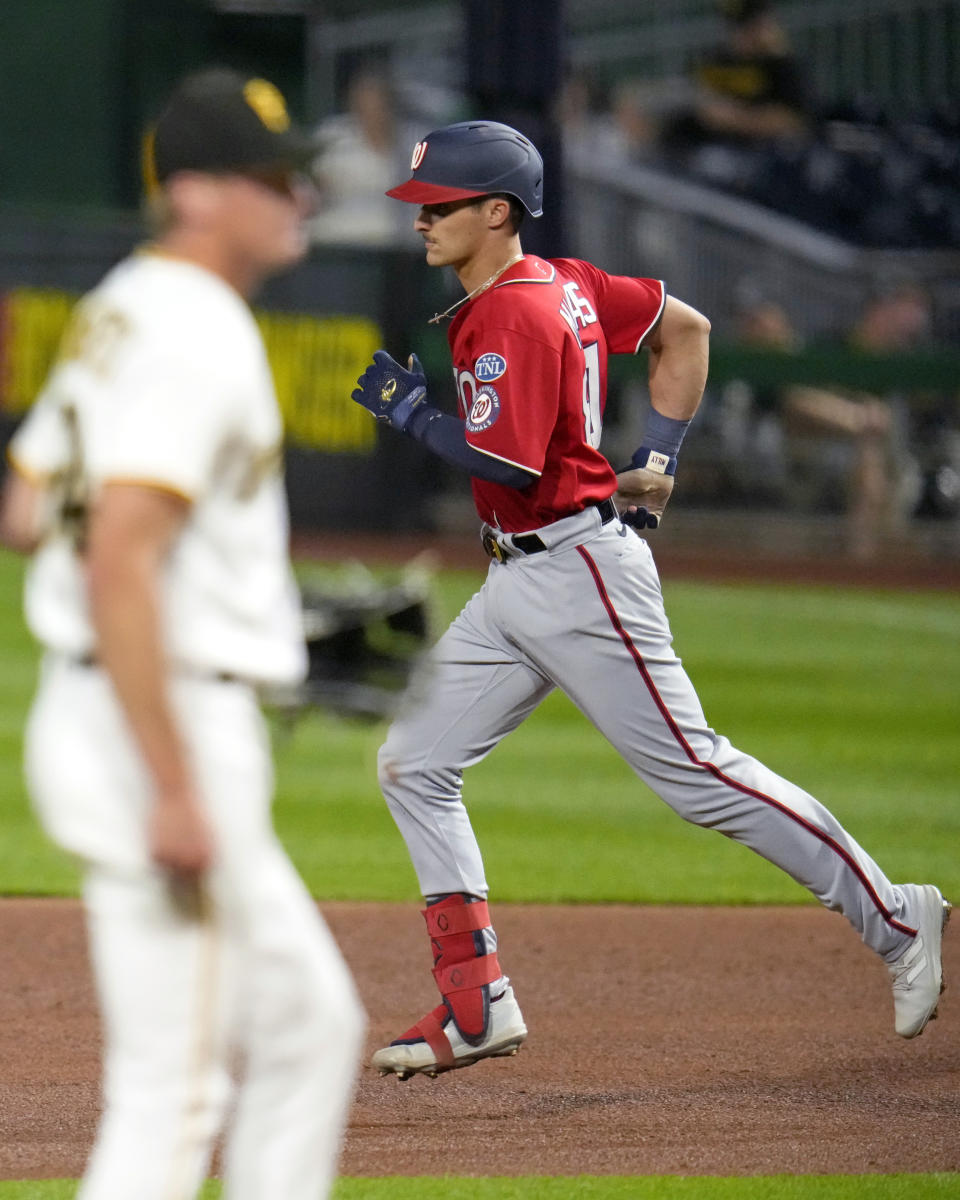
(148, 477)
(572, 598)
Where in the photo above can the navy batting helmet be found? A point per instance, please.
(474, 158)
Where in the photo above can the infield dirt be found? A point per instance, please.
(690, 1041)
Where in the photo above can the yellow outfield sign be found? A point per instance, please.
(315, 362)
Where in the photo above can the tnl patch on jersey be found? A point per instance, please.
(484, 410)
(489, 367)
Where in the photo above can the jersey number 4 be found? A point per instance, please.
(592, 420)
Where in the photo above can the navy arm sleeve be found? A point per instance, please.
(445, 436)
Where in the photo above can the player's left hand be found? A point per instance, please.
(389, 391)
(642, 496)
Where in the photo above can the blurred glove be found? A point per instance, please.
(390, 392)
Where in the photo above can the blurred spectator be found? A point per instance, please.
(635, 120)
(579, 115)
(876, 176)
(897, 318)
(363, 152)
(750, 86)
(835, 448)
(595, 124)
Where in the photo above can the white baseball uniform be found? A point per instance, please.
(163, 381)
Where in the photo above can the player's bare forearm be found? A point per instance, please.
(124, 609)
(679, 358)
(749, 120)
(130, 533)
(679, 354)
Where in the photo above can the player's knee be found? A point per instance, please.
(386, 768)
(406, 778)
(397, 768)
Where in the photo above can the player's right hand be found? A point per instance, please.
(642, 496)
(180, 838)
(391, 392)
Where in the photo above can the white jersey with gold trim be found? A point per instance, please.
(163, 380)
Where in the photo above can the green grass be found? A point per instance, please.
(854, 695)
(592, 1187)
(28, 863)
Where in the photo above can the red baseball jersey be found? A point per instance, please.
(530, 362)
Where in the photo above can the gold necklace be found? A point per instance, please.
(437, 317)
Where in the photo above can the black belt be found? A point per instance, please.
(91, 660)
(532, 543)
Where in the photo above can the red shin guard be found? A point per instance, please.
(461, 965)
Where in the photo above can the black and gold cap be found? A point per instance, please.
(219, 120)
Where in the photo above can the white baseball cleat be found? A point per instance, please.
(918, 972)
(435, 1045)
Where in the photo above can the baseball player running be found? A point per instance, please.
(148, 478)
(572, 598)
